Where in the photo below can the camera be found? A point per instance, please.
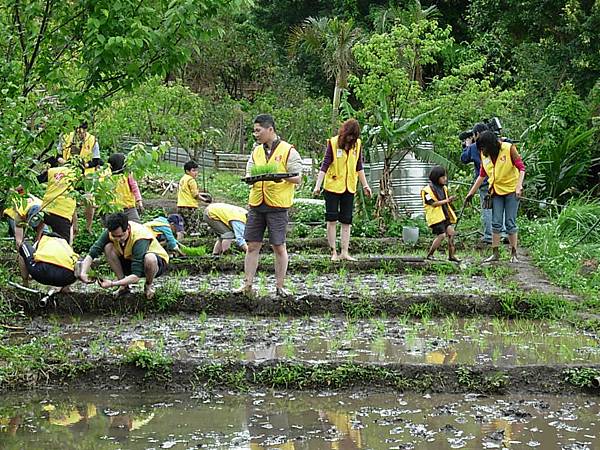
(492, 124)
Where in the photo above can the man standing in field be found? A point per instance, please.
(270, 201)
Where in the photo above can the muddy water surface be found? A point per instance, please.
(289, 420)
(327, 338)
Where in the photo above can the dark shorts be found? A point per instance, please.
(258, 222)
(162, 265)
(339, 207)
(440, 228)
(59, 225)
(43, 272)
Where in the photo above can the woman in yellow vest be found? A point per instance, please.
(50, 261)
(58, 204)
(439, 214)
(503, 166)
(341, 169)
(83, 144)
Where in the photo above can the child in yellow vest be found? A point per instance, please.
(189, 196)
(439, 214)
(128, 196)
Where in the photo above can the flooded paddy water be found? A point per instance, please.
(345, 327)
(446, 341)
(297, 420)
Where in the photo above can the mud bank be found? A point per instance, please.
(221, 303)
(190, 375)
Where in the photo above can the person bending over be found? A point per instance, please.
(132, 252)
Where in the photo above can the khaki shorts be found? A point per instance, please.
(218, 227)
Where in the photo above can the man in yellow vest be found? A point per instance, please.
(229, 222)
(132, 253)
(80, 143)
(50, 261)
(270, 201)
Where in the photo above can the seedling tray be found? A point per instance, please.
(268, 177)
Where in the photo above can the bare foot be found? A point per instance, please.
(335, 257)
(149, 291)
(348, 258)
(246, 291)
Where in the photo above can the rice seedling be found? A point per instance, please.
(193, 251)
(263, 169)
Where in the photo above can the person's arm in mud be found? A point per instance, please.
(138, 253)
(96, 250)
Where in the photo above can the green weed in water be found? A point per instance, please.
(156, 364)
(582, 377)
(168, 294)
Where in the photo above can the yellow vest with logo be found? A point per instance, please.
(278, 195)
(435, 214)
(56, 199)
(226, 213)
(21, 207)
(502, 176)
(341, 175)
(137, 232)
(86, 148)
(124, 197)
(186, 194)
(55, 251)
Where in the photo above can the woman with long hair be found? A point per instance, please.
(505, 170)
(341, 170)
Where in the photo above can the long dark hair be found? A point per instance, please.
(348, 134)
(488, 144)
(436, 173)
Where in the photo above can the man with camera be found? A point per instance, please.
(471, 154)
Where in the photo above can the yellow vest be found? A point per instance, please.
(124, 197)
(153, 225)
(435, 214)
(21, 207)
(279, 195)
(226, 213)
(187, 192)
(342, 174)
(502, 176)
(137, 232)
(86, 148)
(56, 199)
(55, 251)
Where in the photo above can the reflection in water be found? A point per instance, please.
(295, 420)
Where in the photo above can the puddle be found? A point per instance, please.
(447, 341)
(289, 420)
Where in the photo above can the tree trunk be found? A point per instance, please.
(385, 200)
(337, 91)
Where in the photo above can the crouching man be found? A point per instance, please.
(132, 252)
(50, 261)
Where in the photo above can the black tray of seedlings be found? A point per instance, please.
(268, 177)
